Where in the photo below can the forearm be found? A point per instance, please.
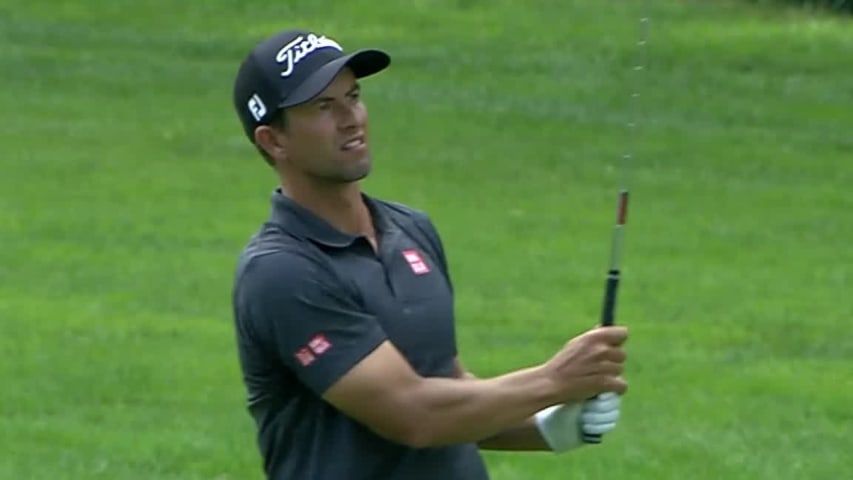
(385, 394)
(523, 436)
(471, 410)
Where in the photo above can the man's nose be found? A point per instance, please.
(349, 117)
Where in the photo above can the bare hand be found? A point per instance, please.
(590, 364)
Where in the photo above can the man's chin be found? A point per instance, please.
(353, 173)
(360, 170)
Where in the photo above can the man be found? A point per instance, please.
(344, 310)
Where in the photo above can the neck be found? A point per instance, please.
(339, 204)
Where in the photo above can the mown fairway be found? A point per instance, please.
(127, 191)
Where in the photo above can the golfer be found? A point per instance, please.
(343, 305)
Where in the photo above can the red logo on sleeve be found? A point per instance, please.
(418, 265)
(319, 344)
(305, 357)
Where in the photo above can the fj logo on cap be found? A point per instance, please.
(418, 265)
(257, 107)
(301, 47)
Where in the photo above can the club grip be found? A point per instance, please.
(607, 316)
(592, 438)
(608, 310)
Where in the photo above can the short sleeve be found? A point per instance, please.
(305, 314)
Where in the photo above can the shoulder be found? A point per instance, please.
(423, 228)
(400, 212)
(271, 257)
(403, 214)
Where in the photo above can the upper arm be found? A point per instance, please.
(304, 316)
(377, 392)
(321, 333)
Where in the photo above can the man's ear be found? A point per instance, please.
(270, 141)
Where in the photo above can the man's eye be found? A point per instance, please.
(324, 105)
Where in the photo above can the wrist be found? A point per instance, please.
(549, 392)
(568, 426)
(559, 426)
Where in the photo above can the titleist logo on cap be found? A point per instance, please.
(299, 48)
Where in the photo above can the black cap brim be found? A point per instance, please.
(363, 63)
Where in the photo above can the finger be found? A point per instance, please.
(608, 396)
(612, 335)
(600, 406)
(615, 354)
(599, 428)
(608, 368)
(603, 403)
(595, 418)
(616, 385)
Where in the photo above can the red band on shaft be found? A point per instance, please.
(623, 209)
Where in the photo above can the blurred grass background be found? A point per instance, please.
(127, 191)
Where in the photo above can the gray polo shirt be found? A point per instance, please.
(309, 303)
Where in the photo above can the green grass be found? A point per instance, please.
(127, 190)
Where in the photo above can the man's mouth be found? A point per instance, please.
(357, 142)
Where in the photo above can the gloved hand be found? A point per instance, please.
(563, 426)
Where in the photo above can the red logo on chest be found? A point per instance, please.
(418, 265)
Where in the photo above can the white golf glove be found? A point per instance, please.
(563, 426)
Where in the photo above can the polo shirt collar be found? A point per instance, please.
(302, 222)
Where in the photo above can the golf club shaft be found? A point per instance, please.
(614, 273)
(611, 286)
